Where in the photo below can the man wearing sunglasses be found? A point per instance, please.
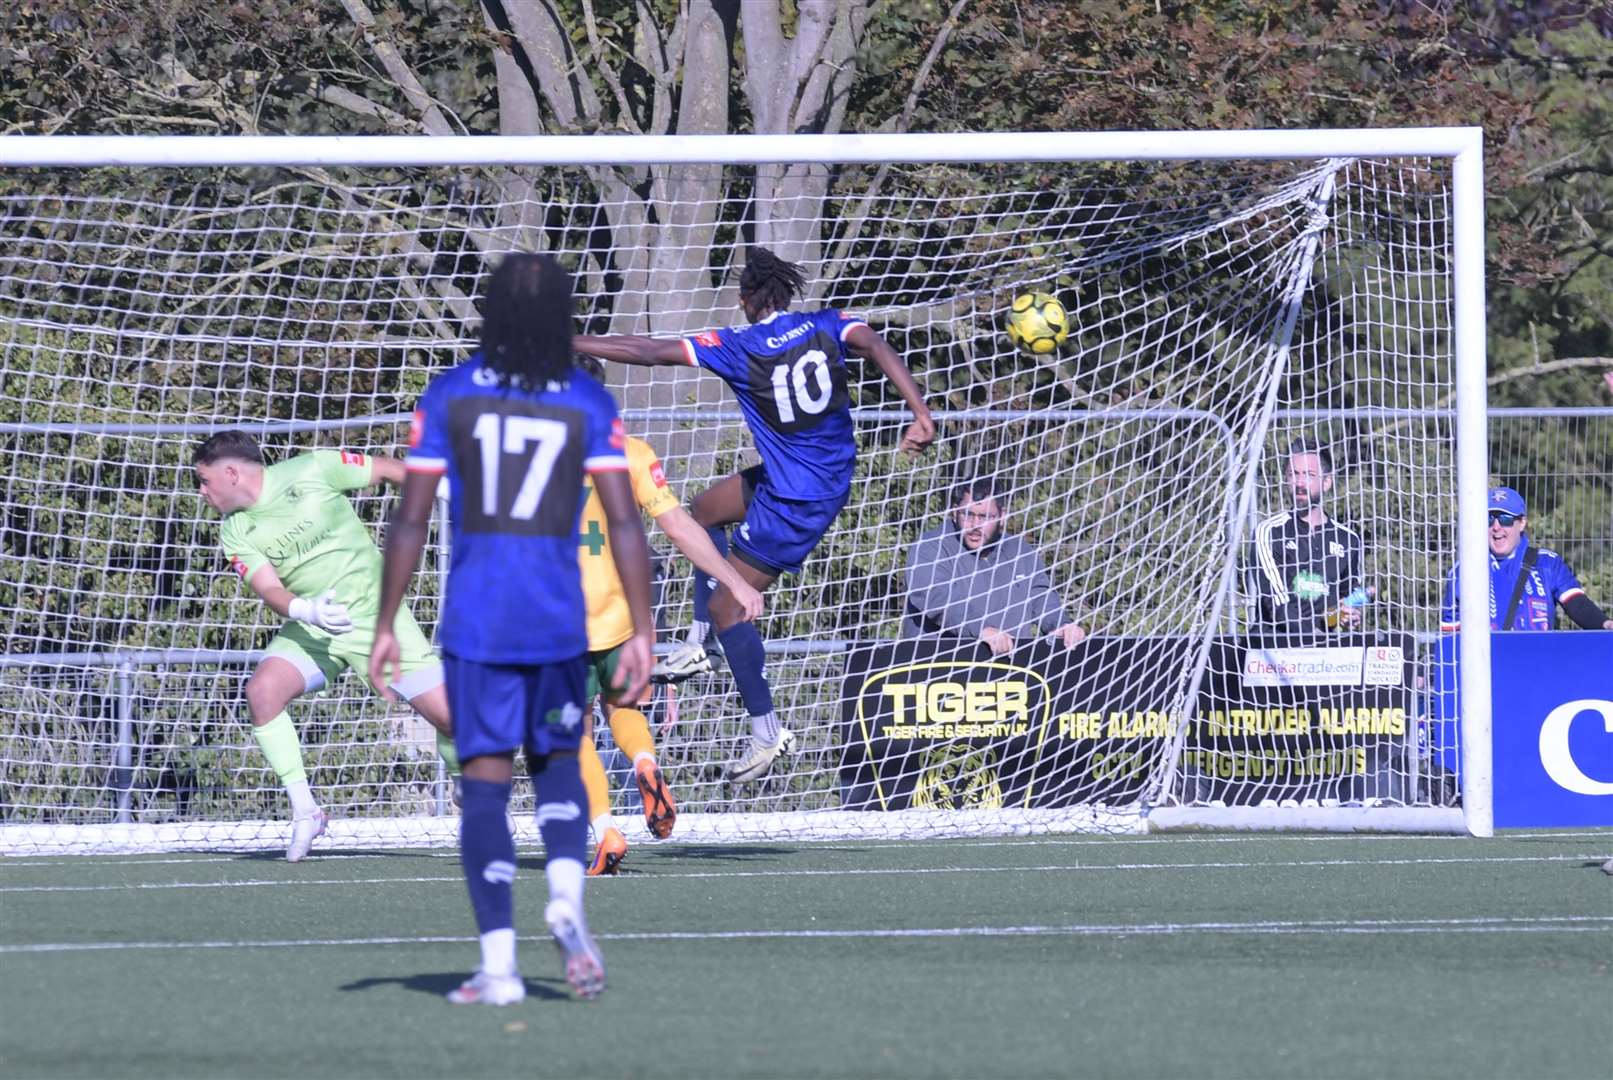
(1526, 582)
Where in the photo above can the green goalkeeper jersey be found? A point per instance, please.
(303, 526)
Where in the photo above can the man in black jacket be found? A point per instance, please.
(1303, 562)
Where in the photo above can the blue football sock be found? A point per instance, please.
(487, 853)
(704, 584)
(742, 642)
(561, 800)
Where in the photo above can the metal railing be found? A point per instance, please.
(1560, 459)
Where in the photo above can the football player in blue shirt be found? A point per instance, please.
(514, 429)
(788, 371)
(1548, 580)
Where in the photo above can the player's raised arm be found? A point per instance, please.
(631, 349)
(865, 342)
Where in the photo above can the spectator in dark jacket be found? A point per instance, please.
(968, 578)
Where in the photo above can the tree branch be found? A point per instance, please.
(358, 104)
(625, 118)
(398, 69)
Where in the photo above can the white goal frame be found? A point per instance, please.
(1462, 147)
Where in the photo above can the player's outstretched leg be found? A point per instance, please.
(487, 855)
(557, 783)
(631, 730)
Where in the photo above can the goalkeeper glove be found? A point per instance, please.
(324, 611)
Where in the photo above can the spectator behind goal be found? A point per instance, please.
(1303, 562)
(967, 578)
(1527, 582)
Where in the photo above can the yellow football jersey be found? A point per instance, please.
(610, 622)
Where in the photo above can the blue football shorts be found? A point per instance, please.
(778, 534)
(500, 708)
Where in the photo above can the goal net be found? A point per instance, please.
(1218, 311)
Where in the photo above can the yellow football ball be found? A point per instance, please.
(1037, 322)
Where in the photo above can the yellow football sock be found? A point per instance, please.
(278, 739)
(631, 731)
(593, 779)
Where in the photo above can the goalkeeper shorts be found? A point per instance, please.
(321, 656)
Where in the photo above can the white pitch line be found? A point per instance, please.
(90, 861)
(886, 871)
(1485, 925)
(75, 862)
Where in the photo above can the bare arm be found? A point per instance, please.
(631, 553)
(266, 583)
(631, 349)
(386, 470)
(864, 342)
(405, 540)
(693, 541)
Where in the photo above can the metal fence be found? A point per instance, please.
(1561, 460)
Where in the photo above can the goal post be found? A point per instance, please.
(1228, 293)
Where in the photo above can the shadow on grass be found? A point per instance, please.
(667, 855)
(438, 984)
(279, 854)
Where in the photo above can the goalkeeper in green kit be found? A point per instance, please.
(291, 534)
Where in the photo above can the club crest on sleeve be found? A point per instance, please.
(352, 457)
(709, 338)
(658, 474)
(237, 565)
(618, 434)
(417, 428)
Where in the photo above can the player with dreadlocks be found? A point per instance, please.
(788, 371)
(517, 430)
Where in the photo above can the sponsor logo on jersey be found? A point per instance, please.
(293, 493)
(353, 457)
(417, 429)
(657, 474)
(1335, 549)
(709, 338)
(618, 434)
(1309, 585)
(789, 336)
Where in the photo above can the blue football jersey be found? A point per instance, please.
(515, 460)
(789, 373)
(1551, 581)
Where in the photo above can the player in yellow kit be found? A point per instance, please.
(610, 624)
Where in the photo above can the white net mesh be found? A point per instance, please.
(1217, 312)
